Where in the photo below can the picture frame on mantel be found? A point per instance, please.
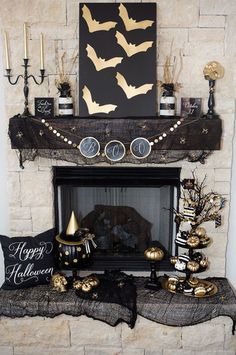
(44, 107)
(117, 80)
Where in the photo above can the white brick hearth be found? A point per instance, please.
(204, 30)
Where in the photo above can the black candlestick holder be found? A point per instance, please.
(211, 99)
(26, 78)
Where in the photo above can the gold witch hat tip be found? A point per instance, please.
(73, 225)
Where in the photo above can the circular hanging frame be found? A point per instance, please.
(90, 147)
(113, 153)
(142, 146)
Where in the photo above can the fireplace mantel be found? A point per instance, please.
(194, 139)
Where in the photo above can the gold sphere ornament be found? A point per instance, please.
(213, 70)
(154, 254)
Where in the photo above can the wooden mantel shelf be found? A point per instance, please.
(192, 134)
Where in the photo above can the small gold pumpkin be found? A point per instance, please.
(86, 287)
(193, 241)
(205, 241)
(193, 266)
(200, 232)
(154, 253)
(193, 281)
(92, 280)
(200, 291)
(173, 260)
(171, 286)
(204, 262)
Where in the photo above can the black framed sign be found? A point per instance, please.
(117, 62)
(44, 106)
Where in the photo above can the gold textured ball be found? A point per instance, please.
(193, 266)
(154, 253)
(193, 241)
(200, 232)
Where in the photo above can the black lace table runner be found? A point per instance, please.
(123, 304)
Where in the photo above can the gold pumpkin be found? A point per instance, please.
(200, 232)
(193, 241)
(154, 253)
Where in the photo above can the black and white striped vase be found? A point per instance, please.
(65, 106)
(65, 100)
(167, 101)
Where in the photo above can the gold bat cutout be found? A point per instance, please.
(94, 25)
(99, 62)
(129, 90)
(130, 48)
(93, 106)
(131, 24)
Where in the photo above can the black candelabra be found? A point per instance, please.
(26, 78)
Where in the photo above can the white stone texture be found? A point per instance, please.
(6, 350)
(230, 46)
(206, 35)
(222, 175)
(211, 21)
(42, 218)
(170, 13)
(148, 334)
(36, 188)
(45, 12)
(31, 331)
(13, 187)
(217, 7)
(86, 331)
(211, 336)
(39, 350)
(90, 350)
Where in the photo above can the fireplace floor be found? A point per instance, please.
(159, 306)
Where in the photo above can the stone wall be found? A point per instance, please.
(204, 30)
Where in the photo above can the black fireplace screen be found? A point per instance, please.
(127, 209)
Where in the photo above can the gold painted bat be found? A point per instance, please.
(99, 62)
(130, 48)
(94, 25)
(131, 24)
(129, 90)
(93, 106)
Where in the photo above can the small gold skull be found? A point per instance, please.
(59, 282)
(213, 71)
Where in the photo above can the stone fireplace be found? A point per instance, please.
(207, 28)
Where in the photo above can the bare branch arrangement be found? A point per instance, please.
(171, 74)
(198, 206)
(64, 68)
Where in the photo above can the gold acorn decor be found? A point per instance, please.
(153, 254)
(74, 246)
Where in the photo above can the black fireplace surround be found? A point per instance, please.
(121, 256)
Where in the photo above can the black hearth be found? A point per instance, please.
(128, 209)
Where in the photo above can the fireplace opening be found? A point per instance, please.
(128, 210)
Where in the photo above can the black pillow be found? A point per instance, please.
(29, 261)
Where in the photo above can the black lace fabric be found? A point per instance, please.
(114, 304)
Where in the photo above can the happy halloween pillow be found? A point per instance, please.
(29, 261)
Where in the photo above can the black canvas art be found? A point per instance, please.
(117, 65)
